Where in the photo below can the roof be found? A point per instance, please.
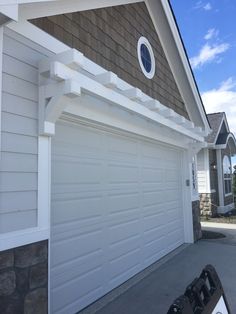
(215, 120)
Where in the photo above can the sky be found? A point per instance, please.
(208, 29)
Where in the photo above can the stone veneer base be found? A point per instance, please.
(208, 204)
(24, 279)
(197, 230)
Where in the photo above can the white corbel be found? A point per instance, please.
(53, 99)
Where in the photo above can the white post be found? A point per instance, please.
(44, 181)
(187, 199)
(1, 53)
(220, 177)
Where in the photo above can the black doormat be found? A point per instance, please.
(212, 235)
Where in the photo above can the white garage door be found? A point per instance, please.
(116, 209)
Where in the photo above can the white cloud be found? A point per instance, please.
(222, 99)
(207, 7)
(207, 54)
(211, 33)
(202, 5)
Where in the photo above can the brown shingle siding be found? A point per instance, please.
(109, 37)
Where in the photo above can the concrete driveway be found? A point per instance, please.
(156, 292)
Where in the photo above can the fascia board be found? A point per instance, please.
(169, 36)
(41, 9)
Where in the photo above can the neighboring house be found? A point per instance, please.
(215, 168)
(98, 145)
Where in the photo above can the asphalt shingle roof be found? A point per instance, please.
(215, 121)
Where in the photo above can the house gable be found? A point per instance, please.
(109, 37)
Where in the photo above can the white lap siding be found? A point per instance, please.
(19, 160)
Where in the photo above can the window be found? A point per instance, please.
(227, 175)
(146, 57)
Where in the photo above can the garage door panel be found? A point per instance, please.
(77, 247)
(116, 208)
(84, 211)
(154, 233)
(153, 250)
(63, 273)
(122, 233)
(124, 267)
(119, 173)
(92, 283)
(67, 172)
(121, 147)
(150, 210)
(120, 202)
(153, 221)
(153, 198)
(152, 175)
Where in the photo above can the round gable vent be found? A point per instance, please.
(146, 57)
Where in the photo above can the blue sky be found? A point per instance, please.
(208, 29)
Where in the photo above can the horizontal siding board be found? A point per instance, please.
(14, 181)
(19, 106)
(19, 69)
(18, 124)
(18, 220)
(17, 201)
(19, 160)
(19, 87)
(13, 162)
(20, 51)
(19, 143)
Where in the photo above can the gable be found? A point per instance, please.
(109, 37)
(223, 128)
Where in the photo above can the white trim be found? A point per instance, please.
(38, 36)
(44, 181)
(35, 10)
(144, 41)
(220, 177)
(114, 94)
(187, 201)
(11, 11)
(1, 53)
(207, 169)
(165, 26)
(22, 237)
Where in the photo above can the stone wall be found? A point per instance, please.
(197, 230)
(109, 37)
(208, 204)
(24, 279)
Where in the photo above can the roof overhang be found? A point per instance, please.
(166, 29)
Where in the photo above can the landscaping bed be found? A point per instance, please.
(229, 218)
